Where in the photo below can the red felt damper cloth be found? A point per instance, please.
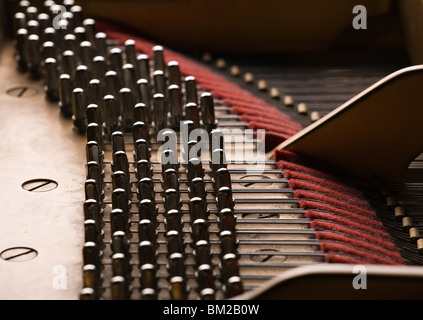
(348, 229)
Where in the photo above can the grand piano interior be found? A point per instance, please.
(336, 212)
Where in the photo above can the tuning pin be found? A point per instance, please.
(49, 50)
(205, 278)
(146, 253)
(144, 169)
(227, 220)
(172, 200)
(194, 169)
(34, 56)
(90, 231)
(147, 231)
(228, 243)
(120, 265)
(111, 118)
(198, 209)
(82, 77)
(197, 188)
(93, 211)
(222, 178)
(224, 198)
(120, 163)
(116, 61)
(217, 140)
(51, 80)
(86, 54)
(79, 105)
(147, 210)
(127, 102)
(229, 266)
(93, 114)
(142, 151)
(141, 113)
(169, 160)
(174, 73)
(90, 28)
(100, 43)
(22, 56)
(170, 180)
(207, 112)
(95, 172)
(175, 106)
(119, 288)
(119, 180)
(178, 289)
(65, 93)
(175, 242)
(111, 83)
(99, 69)
(120, 243)
(69, 63)
(140, 131)
(91, 254)
(176, 265)
(233, 287)
(77, 13)
(199, 230)
(158, 58)
(118, 220)
(160, 111)
(144, 92)
(146, 190)
(191, 94)
(159, 82)
(94, 152)
(192, 113)
(148, 281)
(143, 67)
(217, 161)
(129, 77)
(202, 253)
(173, 220)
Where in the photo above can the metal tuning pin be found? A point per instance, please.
(175, 106)
(95, 133)
(69, 42)
(227, 220)
(95, 172)
(141, 113)
(79, 105)
(178, 290)
(119, 180)
(120, 243)
(147, 210)
(147, 253)
(93, 114)
(94, 153)
(51, 80)
(206, 280)
(208, 118)
(69, 63)
(118, 142)
(111, 83)
(22, 53)
(174, 73)
(116, 61)
(65, 94)
(230, 275)
(169, 160)
(222, 178)
(86, 54)
(129, 77)
(143, 67)
(170, 180)
(158, 58)
(159, 82)
(95, 96)
(217, 161)
(199, 231)
(144, 93)
(90, 28)
(120, 163)
(217, 139)
(121, 266)
(228, 243)
(111, 115)
(194, 169)
(100, 44)
(144, 169)
(173, 220)
(159, 111)
(131, 55)
(198, 209)
(146, 190)
(197, 188)
(49, 50)
(90, 231)
(140, 131)
(119, 288)
(93, 212)
(78, 14)
(147, 231)
(82, 77)
(233, 287)
(118, 221)
(192, 113)
(127, 103)
(34, 56)
(224, 198)
(91, 254)
(148, 282)
(202, 253)
(172, 200)
(191, 94)
(99, 67)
